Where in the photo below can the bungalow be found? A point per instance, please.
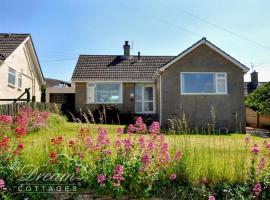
(19, 67)
(200, 79)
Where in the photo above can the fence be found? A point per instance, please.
(13, 109)
(257, 120)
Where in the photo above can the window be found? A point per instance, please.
(203, 83)
(104, 93)
(144, 98)
(19, 81)
(11, 76)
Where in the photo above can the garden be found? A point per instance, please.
(42, 156)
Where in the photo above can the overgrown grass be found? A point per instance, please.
(218, 158)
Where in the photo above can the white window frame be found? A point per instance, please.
(13, 74)
(146, 101)
(216, 78)
(19, 78)
(94, 85)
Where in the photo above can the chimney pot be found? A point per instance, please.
(139, 55)
(126, 47)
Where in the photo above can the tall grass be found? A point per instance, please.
(215, 157)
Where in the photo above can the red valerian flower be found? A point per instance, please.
(118, 172)
(21, 146)
(20, 131)
(53, 155)
(102, 138)
(57, 140)
(120, 130)
(255, 149)
(257, 189)
(101, 179)
(155, 128)
(72, 143)
(211, 197)
(2, 184)
(247, 139)
(5, 119)
(173, 177)
(178, 155)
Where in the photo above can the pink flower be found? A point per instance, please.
(151, 146)
(141, 142)
(139, 125)
(255, 149)
(173, 177)
(211, 197)
(146, 160)
(101, 179)
(20, 131)
(257, 189)
(118, 143)
(261, 164)
(131, 129)
(107, 152)
(118, 172)
(81, 155)
(120, 130)
(247, 140)
(2, 184)
(127, 144)
(103, 138)
(178, 155)
(6, 119)
(155, 128)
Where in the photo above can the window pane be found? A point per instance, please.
(138, 93)
(148, 93)
(11, 79)
(138, 107)
(108, 93)
(198, 83)
(221, 86)
(221, 75)
(148, 106)
(13, 71)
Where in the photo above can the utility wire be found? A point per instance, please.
(224, 29)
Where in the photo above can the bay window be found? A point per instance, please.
(144, 98)
(203, 83)
(104, 93)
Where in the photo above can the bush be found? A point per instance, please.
(259, 100)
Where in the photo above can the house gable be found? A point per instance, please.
(205, 42)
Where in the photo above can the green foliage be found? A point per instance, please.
(259, 100)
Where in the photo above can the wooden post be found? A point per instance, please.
(27, 95)
(258, 120)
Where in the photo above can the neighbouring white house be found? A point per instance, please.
(19, 67)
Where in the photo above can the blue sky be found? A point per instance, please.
(63, 29)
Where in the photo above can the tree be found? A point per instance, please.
(259, 100)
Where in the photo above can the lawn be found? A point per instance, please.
(141, 162)
(218, 158)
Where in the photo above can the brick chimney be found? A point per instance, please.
(253, 84)
(254, 77)
(126, 47)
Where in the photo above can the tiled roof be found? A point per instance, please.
(118, 68)
(9, 42)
